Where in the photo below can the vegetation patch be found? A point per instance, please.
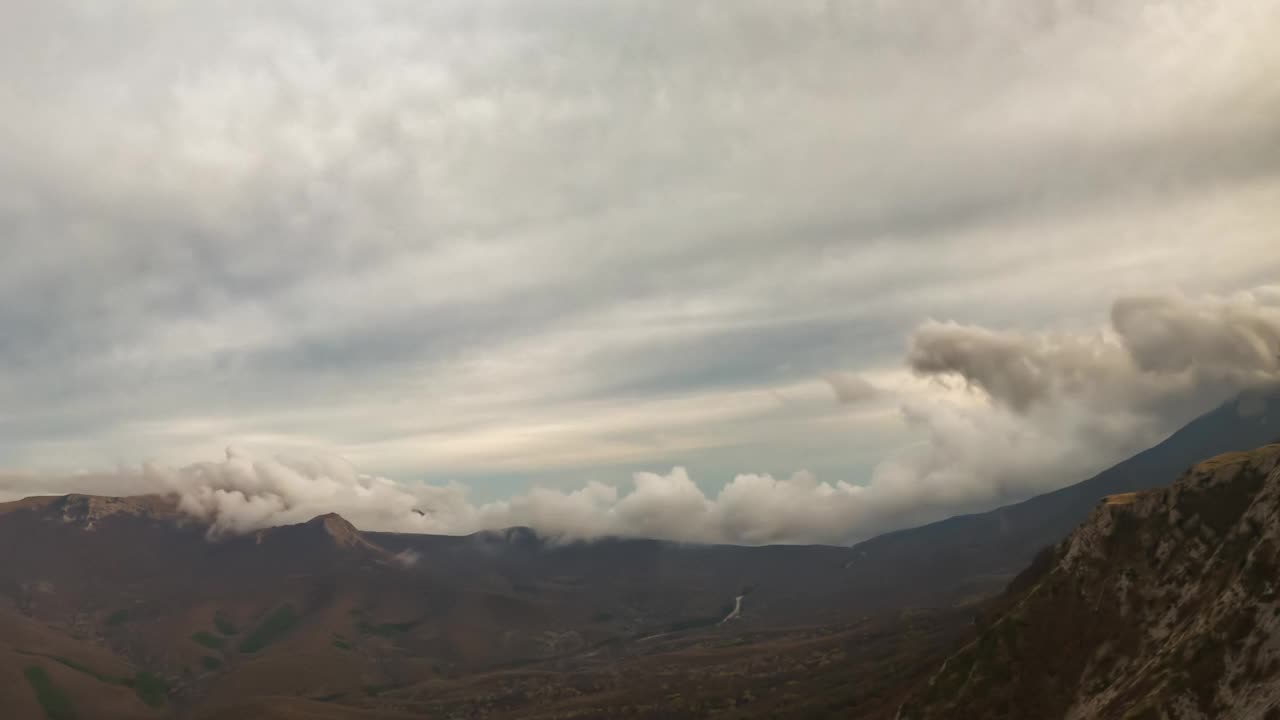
(224, 624)
(209, 640)
(210, 662)
(78, 667)
(88, 671)
(118, 617)
(56, 704)
(150, 688)
(341, 644)
(273, 627)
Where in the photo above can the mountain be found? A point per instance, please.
(972, 555)
(1162, 605)
(34, 655)
(125, 607)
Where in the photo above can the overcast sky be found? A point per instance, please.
(549, 244)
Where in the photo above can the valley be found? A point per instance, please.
(126, 607)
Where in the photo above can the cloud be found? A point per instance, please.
(1049, 409)
(407, 557)
(1237, 338)
(406, 230)
(241, 494)
(1159, 350)
(1006, 366)
(851, 388)
(544, 244)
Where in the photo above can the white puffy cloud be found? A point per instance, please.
(241, 493)
(1033, 411)
(1048, 408)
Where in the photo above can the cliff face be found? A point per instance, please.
(1163, 604)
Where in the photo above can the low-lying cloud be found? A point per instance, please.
(851, 388)
(1031, 413)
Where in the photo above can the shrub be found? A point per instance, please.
(224, 624)
(275, 626)
(209, 640)
(150, 689)
(56, 704)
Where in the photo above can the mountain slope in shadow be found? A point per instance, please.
(944, 562)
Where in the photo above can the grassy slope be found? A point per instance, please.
(84, 673)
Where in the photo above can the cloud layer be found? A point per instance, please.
(529, 247)
(1032, 412)
(508, 242)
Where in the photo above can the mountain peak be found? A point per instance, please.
(337, 527)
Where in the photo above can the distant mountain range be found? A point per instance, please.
(124, 608)
(973, 555)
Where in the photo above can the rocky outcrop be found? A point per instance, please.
(86, 511)
(1163, 604)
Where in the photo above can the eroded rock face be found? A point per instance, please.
(87, 510)
(1163, 604)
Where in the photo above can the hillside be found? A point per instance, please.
(1163, 605)
(121, 607)
(971, 555)
(127, 606)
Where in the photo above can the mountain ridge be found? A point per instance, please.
(978, 553)
(1161, 606)
(504, 624)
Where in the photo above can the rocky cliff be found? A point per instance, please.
(1163, 604)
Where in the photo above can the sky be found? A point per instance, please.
(735, 272)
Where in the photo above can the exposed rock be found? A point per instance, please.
(86, 511)
(1163, 604)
